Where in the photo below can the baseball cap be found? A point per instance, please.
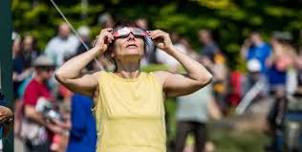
(43, 61)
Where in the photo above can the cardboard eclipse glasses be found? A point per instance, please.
(125, 31)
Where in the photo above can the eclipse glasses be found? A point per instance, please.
(125, 32)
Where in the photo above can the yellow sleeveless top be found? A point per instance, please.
(130, 114)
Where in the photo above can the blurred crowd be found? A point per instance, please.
(49, 117)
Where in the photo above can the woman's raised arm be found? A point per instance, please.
(69, 74)
(176, 84)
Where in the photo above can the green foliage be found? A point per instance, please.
(217, 4)
(231, 20)
(41, 20)
(155, 67)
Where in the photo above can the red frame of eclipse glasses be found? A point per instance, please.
(125, 31)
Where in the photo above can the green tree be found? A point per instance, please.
(231, 20)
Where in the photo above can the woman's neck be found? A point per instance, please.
(128, 70)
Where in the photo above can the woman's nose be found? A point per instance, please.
(131, 36)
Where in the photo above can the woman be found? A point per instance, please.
(129, 102)
(279, 63)
(281, 60)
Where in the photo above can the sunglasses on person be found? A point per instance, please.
(125, 32)
(46, 68)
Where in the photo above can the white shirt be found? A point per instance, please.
(58, 48)
(165, 58)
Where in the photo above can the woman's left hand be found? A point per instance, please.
(162, 40)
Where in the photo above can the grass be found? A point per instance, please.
(233, 141)
(225, 139)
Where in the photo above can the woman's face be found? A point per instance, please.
(16, 46)
(28, 43)
(130, 47)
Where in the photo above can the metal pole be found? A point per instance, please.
(74, 31)
(248, 98)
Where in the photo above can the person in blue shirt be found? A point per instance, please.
(210, 48)
(83, 133)
(255, 50)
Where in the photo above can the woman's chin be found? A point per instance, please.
(131, 50)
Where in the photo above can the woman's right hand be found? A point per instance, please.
(103, 40)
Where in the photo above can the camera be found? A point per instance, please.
(47, 109)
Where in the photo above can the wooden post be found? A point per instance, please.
(6, 63)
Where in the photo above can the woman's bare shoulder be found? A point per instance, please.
(161, 76)
(97, 74)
